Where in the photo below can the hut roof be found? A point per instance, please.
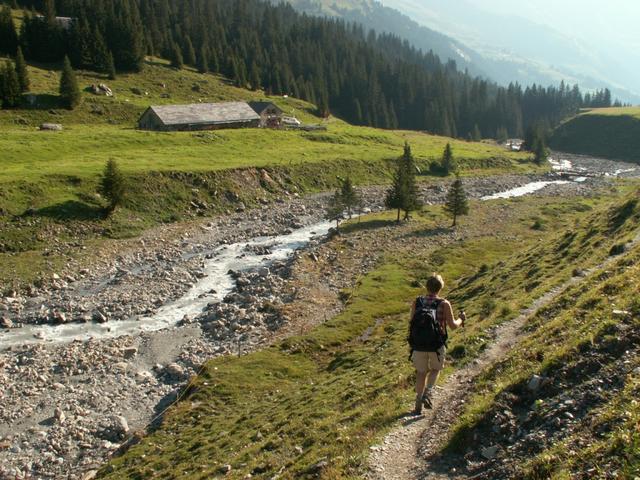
(260, 107)
(209, 113)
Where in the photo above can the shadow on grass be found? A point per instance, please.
(428, 232)
(72, 210)
(41, 101)
(358, 226)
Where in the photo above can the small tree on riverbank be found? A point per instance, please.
(344, 198)
(403, 194)
(448, 163)
(335, 208)
(541, 153)
(350, 198)
(456, 203)
(112, 185)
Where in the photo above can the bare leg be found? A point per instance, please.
(421, 378)
(432, 378)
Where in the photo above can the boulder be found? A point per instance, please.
(490, 452)
(5, 322)
(53, 127)
(174, 371)
(535, 383)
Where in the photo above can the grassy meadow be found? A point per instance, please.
(49, 180)
(612, 133)
(310, 406)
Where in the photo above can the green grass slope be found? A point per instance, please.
(608, 132)
(310, 406)
(584, 422)
(48, 180)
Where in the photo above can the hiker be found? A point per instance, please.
(430, 317)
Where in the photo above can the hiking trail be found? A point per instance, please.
(406, 451)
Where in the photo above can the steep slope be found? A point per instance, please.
(609, 133)
(310, 406)
(563, 402)
(374, 15)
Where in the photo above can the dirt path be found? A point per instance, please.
(410, 450)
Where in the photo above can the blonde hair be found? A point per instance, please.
(435, 283)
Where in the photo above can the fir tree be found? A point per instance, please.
(176, 58)
(476, 134)
(540, 152)
(349, 196)
(254, 76)
(403, 194)
(335, 208)
(456, 203)
(203, 59)
(111, 67)
(9, 86)
(188, 53)
(448, 163)
(112, 185)
(21, 71)
(502, 135)
(8, 34)
(69, 90)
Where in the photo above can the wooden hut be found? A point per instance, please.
(199, 116)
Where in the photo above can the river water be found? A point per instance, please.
(217, 282)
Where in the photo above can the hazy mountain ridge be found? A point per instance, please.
(512, 44)
(456, 31)
(374, 15)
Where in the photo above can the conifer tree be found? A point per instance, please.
(189, 53)
(335, 208)
(540, 152)
(112, 185)
(448, 163)
(203, 59)
(111, 67)
(350, 197)
(403, 194)
(476, 135)
(456, 203)
(8, 34)
(176, 57)
(69, 90)
(9, 86)
(21, 71)
(254, 76)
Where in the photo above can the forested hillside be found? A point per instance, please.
(366, 78)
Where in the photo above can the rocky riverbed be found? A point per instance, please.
(66, 406)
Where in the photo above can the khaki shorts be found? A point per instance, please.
(429, 361)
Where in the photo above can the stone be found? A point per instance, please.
(130, 352)
(535, 383)
(5, 322)
(225, 468)
(174, 370)
(52, 127)
(490, 452)
(59, 415)
(120, 425)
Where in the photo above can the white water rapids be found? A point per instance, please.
(224, 258)
(235, 257)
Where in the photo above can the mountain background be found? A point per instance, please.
(542, 42)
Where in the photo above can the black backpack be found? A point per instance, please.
(425, 332)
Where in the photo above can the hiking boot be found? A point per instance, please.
(418, 408)
(426, 401)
